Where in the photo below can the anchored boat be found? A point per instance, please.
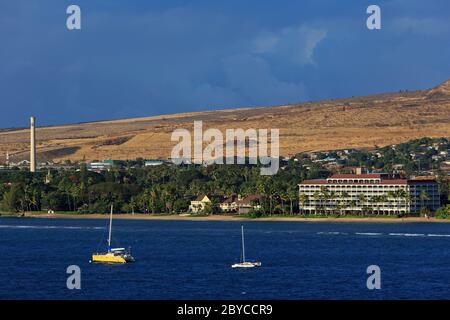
(113, 255)
(243, 263)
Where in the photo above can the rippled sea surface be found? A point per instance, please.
(192, 259)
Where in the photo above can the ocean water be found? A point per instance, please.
(192, 259)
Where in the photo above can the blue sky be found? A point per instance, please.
(140, 58)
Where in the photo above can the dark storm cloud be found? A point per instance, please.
(139, 58)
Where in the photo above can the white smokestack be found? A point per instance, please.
(32, 144)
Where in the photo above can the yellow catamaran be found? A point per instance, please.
(114, 255)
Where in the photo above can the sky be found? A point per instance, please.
(142, 58)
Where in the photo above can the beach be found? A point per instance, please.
(187, 217)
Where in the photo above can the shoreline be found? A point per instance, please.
(231, 218)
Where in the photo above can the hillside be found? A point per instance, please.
(360, 122)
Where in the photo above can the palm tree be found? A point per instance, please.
(303, 199)
(352, 205)
(75, 192)
(292, 194)
(373, 203)
(338, 208)
(383, 199)
(362, 200)
(133, 204)
(423, 197)
(402, 195)
(317, 196)
(333, 196)
(392, 195)
(344, 201)
(246, 173)
(397, 196)
(167, 199)
(262, 190)
(283, 196)
(325, 197)
(272, 193)
(152, 196)
(407, 198)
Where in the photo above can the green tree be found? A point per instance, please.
(423, 196)
(344, 201)
(362, 202)
(13, 199)
(292, 194)
(303, 199)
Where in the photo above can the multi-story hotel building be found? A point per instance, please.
(368, 193)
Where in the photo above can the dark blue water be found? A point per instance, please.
(191, 260)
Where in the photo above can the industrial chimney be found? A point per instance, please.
(32, 144)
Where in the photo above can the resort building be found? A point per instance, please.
(104, 165)
(361, 194)
(153, 163)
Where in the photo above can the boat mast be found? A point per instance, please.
(243, 247)
(110, 229)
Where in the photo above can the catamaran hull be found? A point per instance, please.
(110, 259)
(114, 255)
(246, 265)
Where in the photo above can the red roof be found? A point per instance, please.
(231, 199)
(383, 182)
(356, 176)
(394, 181)
(249, 199)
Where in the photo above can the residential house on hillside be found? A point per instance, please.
(237, 204)
(230, 204)
(249, 204)
(199, 204)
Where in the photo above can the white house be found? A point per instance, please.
(199, 204)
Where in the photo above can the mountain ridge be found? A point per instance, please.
(357, 122)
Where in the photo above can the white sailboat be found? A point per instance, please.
(113, 255)
(243, 263)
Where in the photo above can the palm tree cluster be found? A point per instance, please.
(158, 189)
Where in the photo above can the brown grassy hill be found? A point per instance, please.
(360, 122)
